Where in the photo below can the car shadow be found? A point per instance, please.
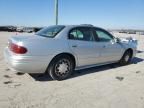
(78, 73)
(103, 68)
(136, 60)
(138, 51)
(41, 77)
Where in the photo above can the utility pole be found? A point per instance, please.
(56, 12)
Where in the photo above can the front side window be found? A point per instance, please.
(84, 34)
(51, 31)
(103, 36)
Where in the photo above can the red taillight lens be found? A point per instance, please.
(17, 49)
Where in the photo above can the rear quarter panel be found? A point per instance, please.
(46, 46)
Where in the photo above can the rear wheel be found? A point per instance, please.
(61, 67)
(126, 58)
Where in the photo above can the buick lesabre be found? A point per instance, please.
(59, 50)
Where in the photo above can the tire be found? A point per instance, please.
(61, 67)
(126, 58)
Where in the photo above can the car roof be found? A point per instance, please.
(82, 25)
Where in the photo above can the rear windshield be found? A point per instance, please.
(50, 31)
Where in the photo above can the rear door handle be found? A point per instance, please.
(104, 46)
(74, 46)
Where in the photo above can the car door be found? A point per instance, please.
(83, 44)
(110, 49)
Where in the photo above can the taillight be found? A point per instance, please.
(17, 48)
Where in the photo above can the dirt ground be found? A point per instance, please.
(110, 86)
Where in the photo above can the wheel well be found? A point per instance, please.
(66, 54)
(130, 50)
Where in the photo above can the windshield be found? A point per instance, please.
(51, 31)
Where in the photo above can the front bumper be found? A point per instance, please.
(26, 64)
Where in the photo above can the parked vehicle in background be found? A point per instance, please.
(131, 32)
(3, 28)
(58, 50)
(11, 29)
(20, 29)
(28, 29)
(122, 31)
(8, 28)
(36, 29)
(142, 33)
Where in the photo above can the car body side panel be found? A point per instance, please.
(88, 53)
(26, 64)
(41, 51)
(42, 46)
(111, 51)
(129, 45)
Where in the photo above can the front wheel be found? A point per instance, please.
(61, 67)
(126, 58)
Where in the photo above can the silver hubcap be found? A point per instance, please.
(127, 58)
(62, 67)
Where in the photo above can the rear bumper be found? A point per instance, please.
(26, 64)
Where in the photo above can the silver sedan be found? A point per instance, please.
(58, 50)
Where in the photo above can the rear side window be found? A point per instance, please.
(51, 31)
(84, 34)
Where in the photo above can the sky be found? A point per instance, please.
(114, 14)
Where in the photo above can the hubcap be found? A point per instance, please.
(62, 67)
(127, 58)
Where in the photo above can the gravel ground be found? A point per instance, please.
(109, 86)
